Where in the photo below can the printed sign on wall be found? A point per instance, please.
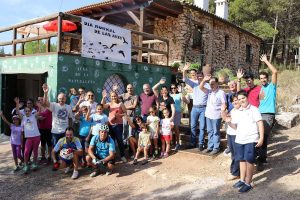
(105, 42)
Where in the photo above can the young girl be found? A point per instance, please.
(231, 134)
(153, 126)
(143, 145)
(15, 138)
(166, 127)
(84, 129)
(32, 135)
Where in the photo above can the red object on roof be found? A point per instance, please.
(67, 26)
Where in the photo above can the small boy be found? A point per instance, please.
(249, 135)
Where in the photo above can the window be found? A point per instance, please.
(198, 37)
(110, 82)
(249, 53)
(226, 42)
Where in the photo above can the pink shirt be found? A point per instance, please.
(47, 122)
(214, 102)
(114, 114)
(253, 95)
(146, 101)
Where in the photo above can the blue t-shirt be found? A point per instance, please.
(85, 126)
(102, 148)
(177, 101)
(268, 104)
(229, 104)
(98, 119)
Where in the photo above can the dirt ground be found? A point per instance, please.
(181, 176)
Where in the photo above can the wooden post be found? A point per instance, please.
(22, 46)
(168, 53)
(59, 32)
(48, 45)
(149, 46)
(14, 49)
(141, 29)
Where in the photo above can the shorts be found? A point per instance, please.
(165, 137)
(143, 146)
(110, 161)
(153, 136)
(46, 137)
(82, 141)
(68, 162)
(245, 152)
(177, 118)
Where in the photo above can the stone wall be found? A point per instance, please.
(179, 32)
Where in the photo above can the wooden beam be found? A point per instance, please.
(159, 14)
(30, 22)
(59, 33)
(102, 18)
(22, 46)
(148, 35)
(152, 41)
(72, 17)
(167, 8)
(118, 5)
(41, 37)
(111, 12)
(135, 19)
(141, 29)
(48, 45)
(149, 50)
(6, 43)
(14, 49)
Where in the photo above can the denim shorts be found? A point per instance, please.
(245, 152)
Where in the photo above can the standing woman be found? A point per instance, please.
(45, 125)
(178, 98)
(115, 118)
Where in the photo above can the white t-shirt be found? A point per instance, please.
(30, 126)
(153, 123)
(166, 126)
(229, 130)
(33, 111)
(88, 104)
(247, 129)
(60, 117)
(98, 119)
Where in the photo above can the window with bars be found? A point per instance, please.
(249, 53)
(226, 42)
(198, 37)
(112, 80)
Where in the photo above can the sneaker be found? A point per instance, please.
(177, 147)
(245, 188)
(55, 166)
(206, 150)
(162, 154)
(201, 148)
(135, 162)
(214, 152)
(132, 157)
(166, 155)
(145, 161)
(124, 159)
(75, 174)
(34, 166)
(43, 161)
(16, 168)
(21, 164)
(95, 173)
(239, 184)
(26, 169)
(67, 170)
(109, 172)
(227, 151)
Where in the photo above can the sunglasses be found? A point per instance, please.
(90, 95)
(172, 88)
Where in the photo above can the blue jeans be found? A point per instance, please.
(117, 134)
(197, 116)
(235, 165)
(213, 130)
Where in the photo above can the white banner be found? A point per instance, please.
(105, 42)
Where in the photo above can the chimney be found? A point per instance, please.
(222, 8)
(204, 4)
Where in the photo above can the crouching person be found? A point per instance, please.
(70, 151)
(101, 153)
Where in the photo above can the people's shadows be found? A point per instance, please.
(129, 168)
(282, 159)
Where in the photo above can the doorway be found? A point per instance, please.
(24, 86)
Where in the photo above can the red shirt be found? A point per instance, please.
(146, 101)
(47, 122)
(253, 95)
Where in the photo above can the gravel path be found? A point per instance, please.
(181, 176)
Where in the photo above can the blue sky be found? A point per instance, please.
(16, 11)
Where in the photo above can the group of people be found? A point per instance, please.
(249, 114)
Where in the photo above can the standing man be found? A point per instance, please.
(61, 114)
(130, 101)
(252, 89)
(198, 110)
(267, 108)
(147, 99)
(87, 100)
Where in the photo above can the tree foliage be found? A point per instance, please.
(36, 47)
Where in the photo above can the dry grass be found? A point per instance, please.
(288, 89)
